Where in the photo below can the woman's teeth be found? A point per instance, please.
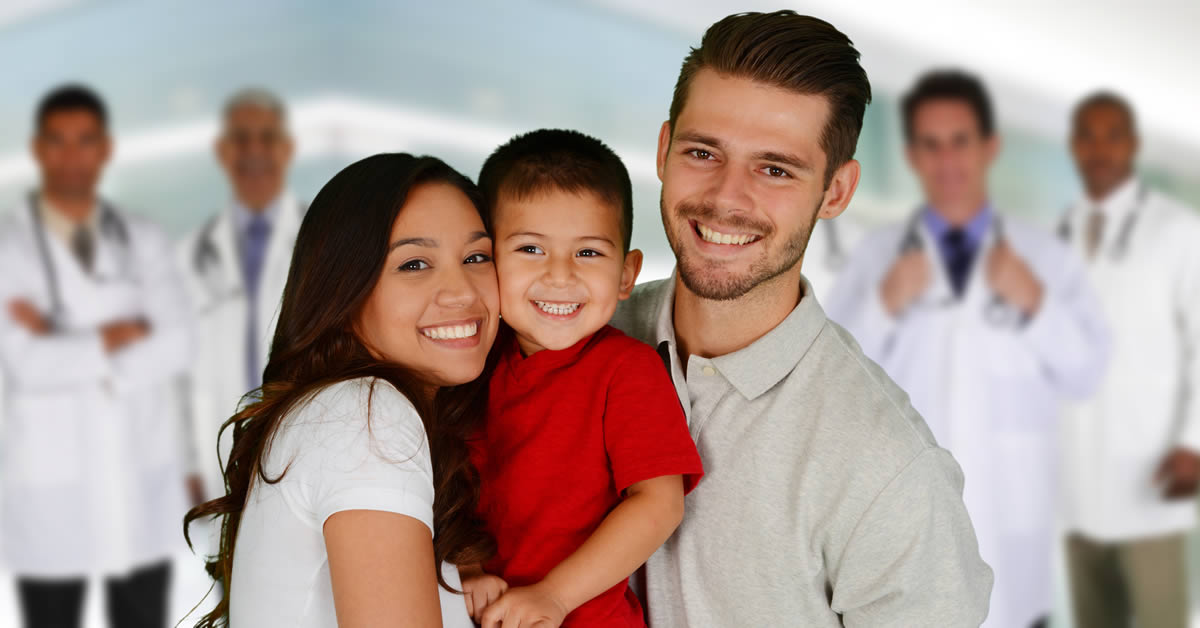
(716, 237)
(558, 309)
(451, 332)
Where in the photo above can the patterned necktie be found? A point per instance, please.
(83, 245)
(257, 233)
(1095, 232)
(959, 255)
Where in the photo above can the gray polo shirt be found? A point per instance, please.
(825, 500)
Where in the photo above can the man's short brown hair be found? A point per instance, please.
(794, 52)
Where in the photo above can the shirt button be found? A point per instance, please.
(708, 370)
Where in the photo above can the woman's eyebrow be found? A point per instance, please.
(477, 236)
(426, 242)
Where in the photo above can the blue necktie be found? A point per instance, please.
(255, 248)
(959, 255)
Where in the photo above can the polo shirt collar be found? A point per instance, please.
(758, 367)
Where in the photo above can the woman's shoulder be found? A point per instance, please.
(350, 414)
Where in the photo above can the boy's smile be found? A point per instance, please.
(561, 267)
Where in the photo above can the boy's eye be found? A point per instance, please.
(478, 258)
(700, 153)
(416, 264)
(589, 253)
(531, 249)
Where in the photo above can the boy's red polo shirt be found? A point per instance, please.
(567, 431)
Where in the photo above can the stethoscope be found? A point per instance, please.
(207, 263)
(996, 311)
(1120, 247)
(110, 226)
(835, 255)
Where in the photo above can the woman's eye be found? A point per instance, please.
(478, 258)
(530, 248)
(415, 264)
(589, 253)
(700, 153)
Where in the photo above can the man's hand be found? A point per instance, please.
(122, 333)
(1012, 279)
(27, 316)
(906, 281)
(1179, 474)
(195, 489)
(480, 590)
(533, 606)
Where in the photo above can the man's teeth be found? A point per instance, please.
(451, 332)
(559, 309)
(716, 237)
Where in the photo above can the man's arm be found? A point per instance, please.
(870, 307)
(164, 354)
(912, 559)
(1066, 328)
(1179, 472)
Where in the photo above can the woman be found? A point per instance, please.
(350, 493)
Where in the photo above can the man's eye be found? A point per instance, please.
(700, 153)
(478, 258)
(776, 171)
(415, 264)
(530, 248)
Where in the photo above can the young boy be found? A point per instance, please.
(586, 455)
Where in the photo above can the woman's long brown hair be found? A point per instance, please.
(338, 258)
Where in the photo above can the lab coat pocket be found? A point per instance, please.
(44, 446)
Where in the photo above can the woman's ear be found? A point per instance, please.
(629, 273)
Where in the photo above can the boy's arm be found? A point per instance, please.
(643, 521)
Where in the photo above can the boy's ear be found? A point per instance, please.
(629, 274)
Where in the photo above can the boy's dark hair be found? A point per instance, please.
(949, 85)
(795, 52)
(558, 159)
(1105, 98)
(71, 97)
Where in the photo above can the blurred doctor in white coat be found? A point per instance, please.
(93, 339)
(1132, 453)
(236, 266)
(989, 325)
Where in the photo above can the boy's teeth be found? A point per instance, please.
(451, 332)
(560, 309)
(716, 237)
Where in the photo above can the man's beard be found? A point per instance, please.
(697, 275)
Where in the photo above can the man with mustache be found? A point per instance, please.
(827, 502)
(1132, 459)
(237, 265)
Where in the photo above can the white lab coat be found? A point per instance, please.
(1147, 402)
(828, 251)
(214, 280)
(91, 463)
(990, 393)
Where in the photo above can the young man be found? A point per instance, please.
(989, 325)
(92, 342)
(236, 265)
(826, 501)
(1132, 458)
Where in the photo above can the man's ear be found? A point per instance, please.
(841, 190)
(632, 267)
(664, 145)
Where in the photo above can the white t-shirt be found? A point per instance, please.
(334, 462)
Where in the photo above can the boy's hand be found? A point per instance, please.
(534, 606)
(480, 590)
